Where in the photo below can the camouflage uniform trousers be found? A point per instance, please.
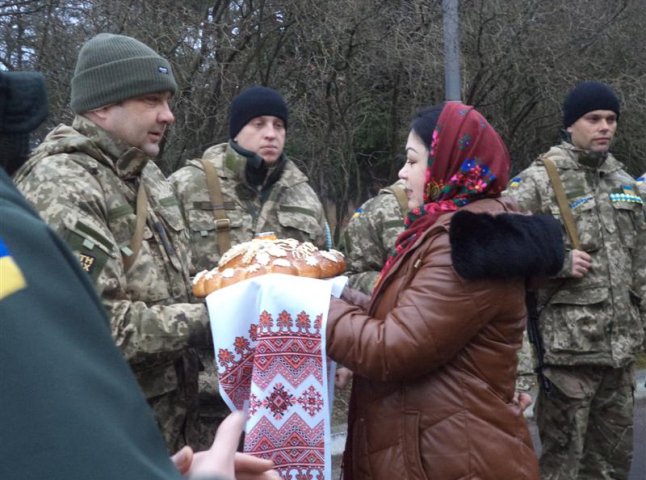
(175, 410)
(211, 409)
(586, 423)
(171, 416)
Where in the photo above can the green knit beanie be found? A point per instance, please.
(112, 68)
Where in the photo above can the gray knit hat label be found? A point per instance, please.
(112, 68)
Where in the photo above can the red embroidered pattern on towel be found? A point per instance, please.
(278, 372)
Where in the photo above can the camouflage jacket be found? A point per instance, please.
(600, 318)
(291, 210)
(370, 236)
(84, 185)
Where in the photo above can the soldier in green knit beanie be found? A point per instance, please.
(95, 182)
(115, 70)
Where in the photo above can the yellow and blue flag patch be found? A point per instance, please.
(11, 277)
(515, 182)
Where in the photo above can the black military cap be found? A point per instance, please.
(23, 102)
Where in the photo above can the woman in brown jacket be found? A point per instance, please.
(433, 350)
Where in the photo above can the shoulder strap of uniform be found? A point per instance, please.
(400, 194)
(138, 236)
(222, 222)
(561, 199)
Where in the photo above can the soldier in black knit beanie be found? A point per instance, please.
(241, 188)
(589, 325)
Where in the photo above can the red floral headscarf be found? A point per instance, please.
(467, 161)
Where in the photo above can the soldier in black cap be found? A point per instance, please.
(591, 317)
(237, 190)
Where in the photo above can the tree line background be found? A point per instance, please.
(353, 72)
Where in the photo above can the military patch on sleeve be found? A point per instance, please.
(515, 182)
(11, 278)
(87, 262)
(92, 249)
(358, 212)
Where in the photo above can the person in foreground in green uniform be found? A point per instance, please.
(70, 405)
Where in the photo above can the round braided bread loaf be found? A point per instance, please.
(268, 255)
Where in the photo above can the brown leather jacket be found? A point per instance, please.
(434, 361)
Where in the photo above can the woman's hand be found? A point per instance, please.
(222, 459)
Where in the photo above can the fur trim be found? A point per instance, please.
(507, 245)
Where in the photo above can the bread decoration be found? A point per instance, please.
(268, 254)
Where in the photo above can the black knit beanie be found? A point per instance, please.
(23, 101)
(586, 97)
(112, 68)
(23, 107)
(255, 102)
